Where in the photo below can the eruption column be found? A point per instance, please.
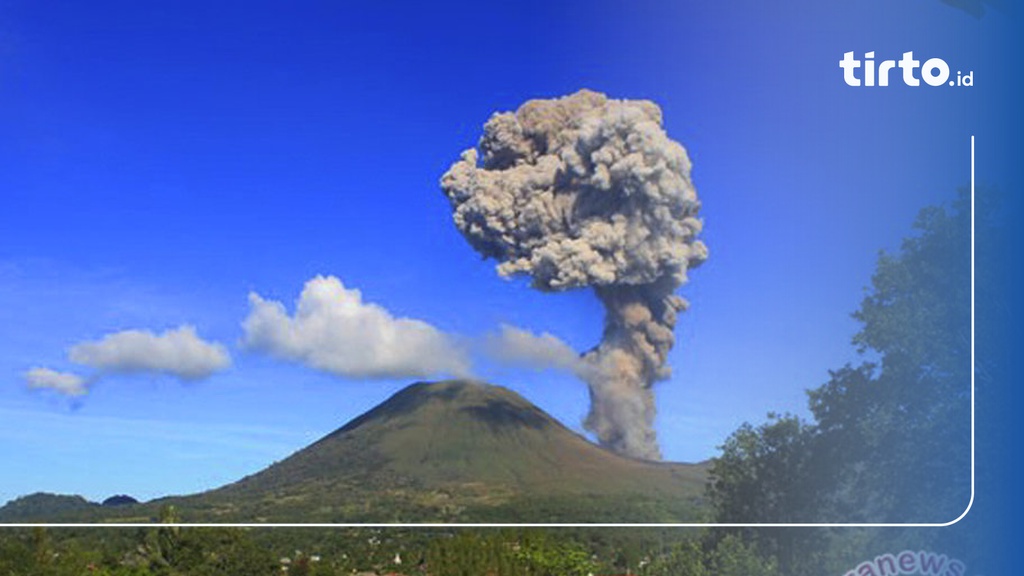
(587, 191)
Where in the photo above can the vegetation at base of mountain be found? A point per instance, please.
(170, 551)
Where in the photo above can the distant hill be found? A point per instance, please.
(453, 451)
(120, 500)
(44, 505)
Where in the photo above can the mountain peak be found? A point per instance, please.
(494, 405)
(456, 449)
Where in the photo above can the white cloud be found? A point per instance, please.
(180, 353)
(513, 345)
(63, 382)
(335, 331)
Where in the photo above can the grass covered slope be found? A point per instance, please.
(463, 450)
(453, 451)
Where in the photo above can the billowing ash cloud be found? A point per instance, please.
(588, 191)
(180, 353)
(62, 382)
(335, 331)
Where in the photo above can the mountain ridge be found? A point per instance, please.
(449, 451)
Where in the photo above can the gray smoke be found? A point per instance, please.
(588, 191)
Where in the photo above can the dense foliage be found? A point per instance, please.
(890, 437)
(173, 551)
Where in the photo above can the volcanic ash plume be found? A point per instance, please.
(587, 191)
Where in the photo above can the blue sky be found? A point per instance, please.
(160, 161)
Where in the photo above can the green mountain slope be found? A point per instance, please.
(454, 451)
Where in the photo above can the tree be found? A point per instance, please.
(686, 558)
(890, 440)
(895, 433)
(762, 473)
(542, 555)
(733, 557)
(769, 474)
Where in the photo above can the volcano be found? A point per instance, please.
(452, 451)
